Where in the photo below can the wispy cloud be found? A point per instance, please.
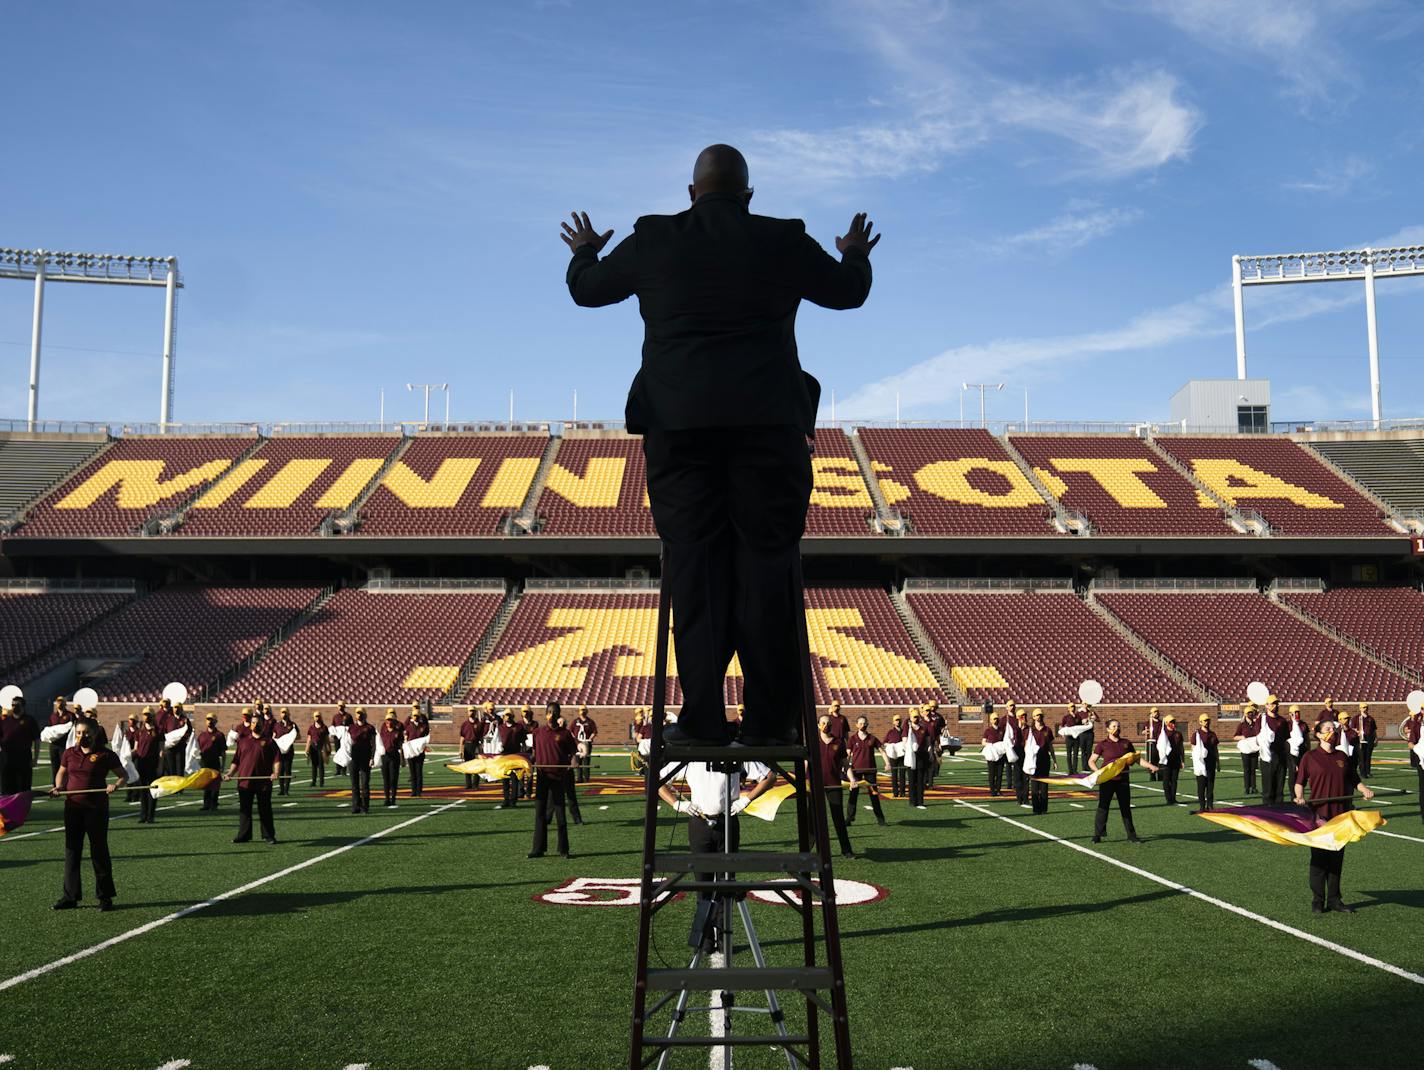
(1337, 179)
(1081, 223)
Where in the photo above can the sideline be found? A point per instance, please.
(49, 967)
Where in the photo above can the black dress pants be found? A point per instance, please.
(1367, 753)
(360, 785)
(730, 508)
(835, 801)
(1021, 783)
(1249, 765)
(417, 775)
(711, 836)
(1206, 790)
(263, 795)
(284, 772)
(996, 776)
(210, 793)
(571, 793)
(318, 768)
(468, 752)
(1070, 748)
(511, 790)
(91, 822)
(550, 790)
(1085, 749)
(915, 780)
(1273, 778)
(897, 778)
(1419, 772)
(390, 776)
(1169, 778)
(1120, 790)
(585, 766)
(1325, 867)
(1038, 791)
(16, 775)
(870, 778)
(147, 774)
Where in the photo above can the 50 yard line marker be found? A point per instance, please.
(1289, 930)
(49, 967)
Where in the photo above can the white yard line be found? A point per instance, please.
(175, 1064)
(40, 971)
(60, 828)
(1396, 836)
(1262, 1064)
(1250, 915)
(363, 1066)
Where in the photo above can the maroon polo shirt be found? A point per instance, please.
(1110, 750)
(832, 761)
(392, 735)
(862, 751)
(281, 728)
(471, 732)
(416, 729)
(585, 728)
(919, 736)
(837, 727)
(18, 734)
(1069, 720)
(363, 740)
(894, 735)
(340, 719)
(1207, 739)
(992, 734)
(554, 748)
(1413, 727)
(145, 743)
(86, 771)
(60, 717)
(1327, 776)
(255, 758)
(644, 731)
(211, 746)
(1042, 736)
(1248, 726)
(317, 735)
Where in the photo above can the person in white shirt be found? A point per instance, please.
(712, 799)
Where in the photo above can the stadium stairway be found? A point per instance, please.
(1390, 514)
(1234, 517)
(1067, 521)
(346, 522)
(268, 645)
(1365, 651)
(30, 469)
(1190, 683)
(170, 522)
(1390, 469)
(526, 521)
(482, 649)
(891, 522)
(928, 651)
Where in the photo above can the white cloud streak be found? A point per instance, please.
(1335, 180)
(1081, 224)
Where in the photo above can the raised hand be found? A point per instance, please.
(857, 237)
(582, 233)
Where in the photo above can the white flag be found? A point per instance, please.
(1030, 758)
(380, 746)
(170, 739)
(1297, 738)
(55, 732)
(414, 748)
(342, 755)
(231, 738)
(1164, 747)
(1198, 755)
(1265, 739)
(1247, 744)
(192, 757)
(1344, 743)
(284, 743)
(124, 753)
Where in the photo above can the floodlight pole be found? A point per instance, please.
(170, 300)
(981, 387)
(1371, 328)
(1240, 303)
(33, 411)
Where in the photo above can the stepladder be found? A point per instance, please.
(729, 998)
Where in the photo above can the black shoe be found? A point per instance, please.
(849, 856)
(565, 854)
(769, 739)
(1134, 838)
(536, 854)
(1317, 908)
(65, 904)
(242, 839)
(1097, 839)
(1341, 907)
(270, 840)
(676, 736)
(578, 821)
(106, 904)
(880, 821)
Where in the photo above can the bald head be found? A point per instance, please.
(719, 169)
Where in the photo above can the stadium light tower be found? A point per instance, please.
(428, 387)
(1339, 266)
(45, 266)
(981, 387)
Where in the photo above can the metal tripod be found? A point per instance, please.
(810, 890)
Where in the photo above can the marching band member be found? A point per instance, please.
(280, 728)
(1038, 759)
(146, 743)
(1329, 775)
(1347, 741)
(340, 719)
(1014, 749)
(917, 750)
(839, 725)
(318, 748)
(994, 734)
(1298, 735)
(255, 764)
(1273, 747)
(1368, 731)
(1246, 732)
(935, 722)
(1206, 759)
(1070, 744)
(127, 727)
(1327, 712)
(471, 736)
(585, 731)
(362, 736)
(1412, 729)
(1088, 740)
(417, 726)
(571, 791)
(863, 770)
(392, 737)
(212, 746)
(527, 724)
(510, 741)
(18, 736)
(1119, 788)
(60, 715)
(1021, 781)
(833, 759)
(1154, 729)
(895, 756)
(554, 752)
(171, 721)
(1170, 763)
(84, 768)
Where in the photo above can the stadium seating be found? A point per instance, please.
(597, 485)
(1294, 491)
(134, 479)
(289, 485)
(29, 622)
(29, 467)
(454, 485)
(189, 634)
(599, 648)
(955, 482)
(1120, 485)
(1035, 647)
(1392, 469)
(378, 648)
(1387, 620)
(1228, 639)
(840, 501)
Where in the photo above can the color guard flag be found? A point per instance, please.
(192, 756)
(493, 768)
(13, 811)
(1111, 771)
(415, 748)
(284, 743)
(1298, 825)
(56, 732)
(172, 785)
(124, 753)
(765, 805)
(170, 739)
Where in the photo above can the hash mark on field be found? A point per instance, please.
(356, 1066)
(1263, 1064)
(1084, 1066)
(175, 1064)
(40, 971)
(7, 1058)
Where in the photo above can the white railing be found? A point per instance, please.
(981, 584)
(435, 585)
(1209, 583)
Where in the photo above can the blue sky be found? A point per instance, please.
(363, 194)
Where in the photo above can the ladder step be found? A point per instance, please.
(767, 1040)
(741, 979)
(787, 752)
(738, 862)
(661, 888)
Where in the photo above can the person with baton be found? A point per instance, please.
(83, 769)
(1331, 778)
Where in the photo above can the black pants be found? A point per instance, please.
(284, 772)
(417, 775)
(468, 752)
(1070, 748)
(706, 836)
(210, 793)
(173, 760)
(571, 792)
(915, 780)
(91, 822)
(1325, 867)
(1169, 777)
(1419, 772)
(318, 767)
(390, 776)
(996, 776)
(1273, 779)
(897, 778)
(835, 801)
(1021, 782)
(147, 774)
(550, 791)
(263, 795)
(511, 790)
(360, 785)
(871, 779)
(585, 766)
(1249, 764)
(1367, 753)
(1206, 790)
(1118, 789)
(16, 774)
(1038, 791)
(56, 752)
(730, 508)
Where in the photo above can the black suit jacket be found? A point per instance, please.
(718, 289)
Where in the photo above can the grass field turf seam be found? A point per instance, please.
(983, 922)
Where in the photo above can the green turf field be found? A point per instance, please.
(426, 947)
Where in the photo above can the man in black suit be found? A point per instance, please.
(718, 289)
